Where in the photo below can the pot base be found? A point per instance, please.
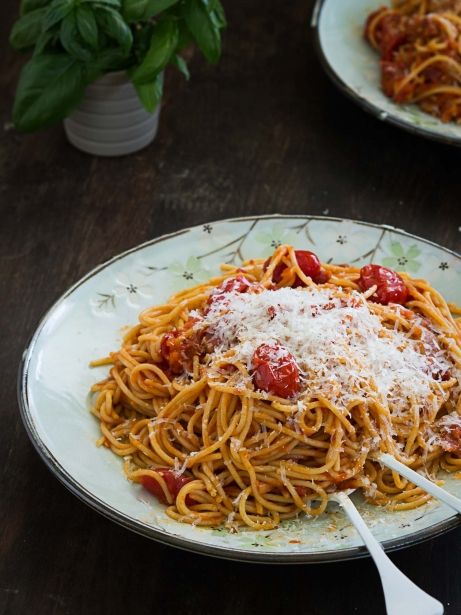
(110, 120)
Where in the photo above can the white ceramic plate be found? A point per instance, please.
(87, 322)
(354, 67)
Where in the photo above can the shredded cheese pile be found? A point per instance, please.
(342, 349)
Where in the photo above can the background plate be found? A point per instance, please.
(87, 323)
(354, 67)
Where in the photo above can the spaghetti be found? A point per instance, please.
(252, 397)
(420, 46)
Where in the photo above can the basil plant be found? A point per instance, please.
(73, 42)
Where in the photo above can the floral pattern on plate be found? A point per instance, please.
(338, 241)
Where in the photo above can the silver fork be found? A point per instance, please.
(421, 481)
(402, 596)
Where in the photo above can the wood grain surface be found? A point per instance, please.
(263, 132)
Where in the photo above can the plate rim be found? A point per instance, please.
(371, 108)
(222, 552)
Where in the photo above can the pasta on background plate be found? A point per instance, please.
(419, 42)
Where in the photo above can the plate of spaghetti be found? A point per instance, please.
(399, 59)
(212, 388)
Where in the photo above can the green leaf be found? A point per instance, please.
(106, 61)
(133, 10)
(86, 25)
(155, 7)
(70, 39)
(31, 5)
(162, 47)
(115, 3)
(216, 12)
(56, 12)
(150, 94)
(50, 86)
(27, 29)
(50, 37)
(142, 38)
(204, 31)
(218, 9)
(181, 64)
(185, 37)
(113, 25)
(139, 10)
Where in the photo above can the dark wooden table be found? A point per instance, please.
(263, 132)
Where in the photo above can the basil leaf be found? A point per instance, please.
(56, 12)
(139, 10)
(142, 38)
(27, 29)
(150, 94)
(50, 37)
(113, 25)
(216, 11)
(70, 39)
(30, 5)
(181, 64)
(115, 3)
(185, 37)
(50, 86)
(163, 45)
(106, 61)
(154, 7)
(86, 25)
(204, 31)
(133, 10)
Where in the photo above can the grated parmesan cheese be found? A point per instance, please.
(342, 349)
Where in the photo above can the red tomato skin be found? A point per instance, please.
(178, 346)
(174, 484)
(391, 287)
(167, 343)
(392, 36)
(389, 33)
(309, 264)
(239, 284)
(450, 438)
(277, 273)
(276, 375)
(171, 348)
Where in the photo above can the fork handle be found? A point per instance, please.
(401, 594)
(421, 481)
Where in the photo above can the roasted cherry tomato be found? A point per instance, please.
(308, 263)
(234, 285)
(238, 284)
(390, 286)
(178, 346)
(170, 349)
(275, 371)
(450, 438)
(391, 75)
(173, 482)
(391, 36)
(322, 277)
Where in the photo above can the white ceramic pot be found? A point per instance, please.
(110, 120)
